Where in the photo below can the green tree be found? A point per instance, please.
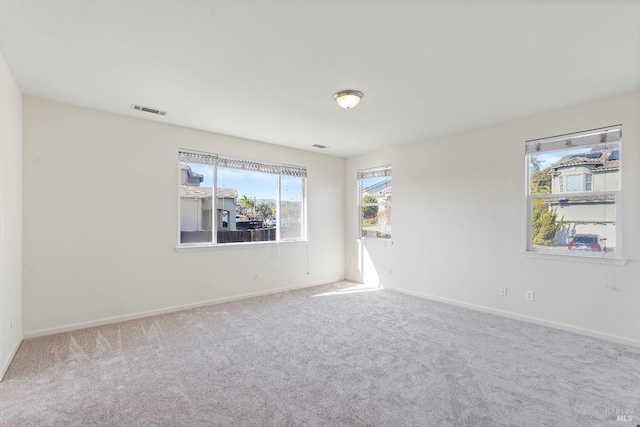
(264, 210)
(545, 224)
(247, 204)
(541, 181)
(369, 212)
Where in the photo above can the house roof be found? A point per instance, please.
(193, 191)
(378, 187)
(191, 173)
(601, 160)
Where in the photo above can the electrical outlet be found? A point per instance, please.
(528, 295)
(256, 276)
(503, 291)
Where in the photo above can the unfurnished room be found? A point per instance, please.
(319, 213)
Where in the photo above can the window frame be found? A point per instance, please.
(374, 172)
(216, 161)
(595, 257)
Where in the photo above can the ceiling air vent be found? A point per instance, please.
(148, 110)
(320, 146)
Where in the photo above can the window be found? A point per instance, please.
(254, 201)
(588, 181)
(291, 208)
(374, 196)
(575, 182)
(573, 193)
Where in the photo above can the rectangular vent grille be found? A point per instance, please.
(148, 110)
(320, 146)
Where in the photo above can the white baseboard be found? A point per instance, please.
(556, 325)
(142, 314)
(5, 366)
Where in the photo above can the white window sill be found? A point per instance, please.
(375, 239)
(574, 258)
(198, 247)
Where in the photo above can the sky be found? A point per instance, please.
(367, 182)
(262, 186)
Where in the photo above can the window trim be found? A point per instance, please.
(216, 160)
(609, 134)
(204, 246)
(574, 258)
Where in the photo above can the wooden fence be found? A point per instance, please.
(229, 236)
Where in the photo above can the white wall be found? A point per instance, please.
(101, 221)
(459, 215)
(10, 217)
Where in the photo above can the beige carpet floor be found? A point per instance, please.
(334, 355)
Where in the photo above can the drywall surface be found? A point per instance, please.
(101, 221)
(10, 217)
(459, 226)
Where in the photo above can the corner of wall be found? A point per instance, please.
(10, 218)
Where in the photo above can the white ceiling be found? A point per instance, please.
(268, 69)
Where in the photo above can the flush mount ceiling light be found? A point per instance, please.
(348, 98)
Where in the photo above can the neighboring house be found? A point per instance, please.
(595, 171)
(381, 190)
(196, 203)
